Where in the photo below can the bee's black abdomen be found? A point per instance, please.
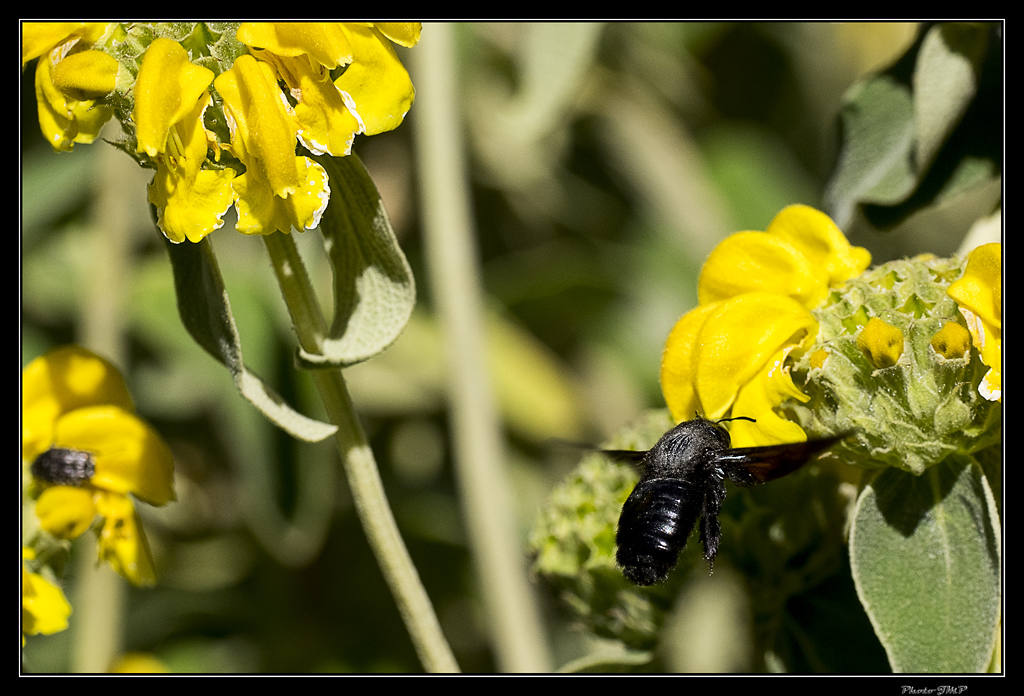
(64, 467)
(656, 520)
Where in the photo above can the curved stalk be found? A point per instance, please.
(99, 596)
(359, 464)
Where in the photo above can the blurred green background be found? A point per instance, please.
(606, 162)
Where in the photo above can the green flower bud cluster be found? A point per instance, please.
(892, 364)
(573, 544)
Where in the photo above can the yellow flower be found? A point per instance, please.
(372, 94)
(979, 295)
(171, 96)
(90, 453)
(755, 292)
(279, 190)
(70, 80)
(44, 608)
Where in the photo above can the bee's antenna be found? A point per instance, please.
(723, 420)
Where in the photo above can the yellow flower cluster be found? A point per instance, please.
(756, 290)
(89, 454)
(340, 79)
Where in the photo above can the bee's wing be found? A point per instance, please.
(750, 465)
(634, 457)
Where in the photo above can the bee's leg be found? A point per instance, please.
(710, 527)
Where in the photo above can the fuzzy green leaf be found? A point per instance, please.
(945, 82)
(876, 162)
(374, 290)
(926, 129)
(206, 313)
(925, 556)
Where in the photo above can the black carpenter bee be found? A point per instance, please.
(683, 478)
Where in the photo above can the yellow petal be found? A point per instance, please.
(821, 241)
(191, 211)
(65, 121)
(988, 340)
(759, 262)
(60, 381)
(991, 386)
(166, 91)
(376, 81)
(737, 340)
(262, 212)
(263, 129)
(190, 201)
(39, 38)
(979, 294)
(325, 42)
(981, 287)
(327, 125)
(130, 456)
(402, 33)
(44, 608)
(679, 364)
(122, 542)
(65, 511)
(759, 398)
(86, 75)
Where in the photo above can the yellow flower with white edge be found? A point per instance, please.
(279, 190)
(44, 608)
(371, 95)
(979, 295)
(171, 96)
(70, 80)
(376, 81)
(728, 355)
(89, 454)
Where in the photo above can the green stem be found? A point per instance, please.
(359, 464)
(99, 595)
